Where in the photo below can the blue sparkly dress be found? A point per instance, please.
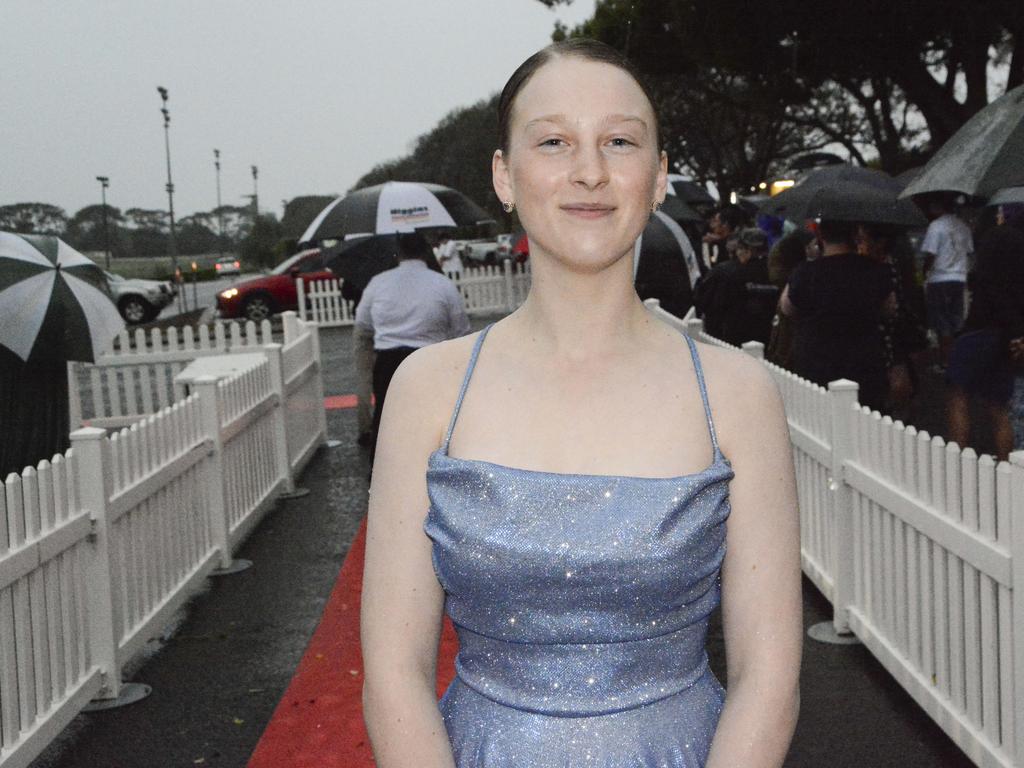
(581, 604)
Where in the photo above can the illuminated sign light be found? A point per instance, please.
(780, 186)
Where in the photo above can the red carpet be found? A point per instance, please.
(319, 722)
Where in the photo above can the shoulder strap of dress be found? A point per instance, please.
(703, 392)
(465, 384)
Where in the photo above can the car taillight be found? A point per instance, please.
(216, 266)
(237, 265)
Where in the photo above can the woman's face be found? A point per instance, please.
(583, 166)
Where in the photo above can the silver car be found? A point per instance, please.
(140, 301)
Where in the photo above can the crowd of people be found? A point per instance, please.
(857, 300)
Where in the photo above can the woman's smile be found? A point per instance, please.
(588, 210)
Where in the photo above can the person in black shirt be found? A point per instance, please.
(982, 360)
(838, 301)
(735, 298)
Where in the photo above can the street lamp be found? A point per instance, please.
(104, 183)
(220, 213)
(170, 186)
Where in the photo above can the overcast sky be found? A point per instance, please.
(313, 92)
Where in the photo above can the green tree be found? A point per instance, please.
(261, 244)
(456, 153)
(886, 56)
(300, 212)
(85, 230)
(33, 218)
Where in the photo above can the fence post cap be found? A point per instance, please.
(1017, 458)
(273, 345)
(206, 378)
(88, 433)
(843, 385)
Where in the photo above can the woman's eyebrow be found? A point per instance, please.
(608, 119)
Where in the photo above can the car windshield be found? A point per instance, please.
(285, 266)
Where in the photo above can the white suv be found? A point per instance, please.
(140, 301)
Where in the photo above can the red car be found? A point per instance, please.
(263, 296)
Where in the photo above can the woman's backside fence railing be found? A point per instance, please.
(101, 545)
(919, 546)
(487, 290)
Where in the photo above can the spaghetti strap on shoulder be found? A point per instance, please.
(465, 384)
(703, 393)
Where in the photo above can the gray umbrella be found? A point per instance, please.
(985, 155)
(1008, 195)
(846, 193)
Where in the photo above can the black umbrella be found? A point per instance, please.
(667, 266)
(845, 193)
(688, 191)
(985, 155)
(676, 209)
(55, 304)
(356, 261)
(395, 206)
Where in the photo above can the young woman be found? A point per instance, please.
(582, 490)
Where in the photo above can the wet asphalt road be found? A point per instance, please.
(230, 654)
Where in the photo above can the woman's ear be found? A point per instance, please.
(501, 178)
(661, 185)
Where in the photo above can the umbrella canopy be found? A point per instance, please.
(846, 193)
(985, 155)
(394, 206)
(1007, 196)
(688, 191)
(666, 267)
(55, 304)
(356, 261)
(676, 209)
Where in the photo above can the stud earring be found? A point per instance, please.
(508, 205)
(655, 206)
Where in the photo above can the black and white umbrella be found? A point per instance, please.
(394, 206)
(55, 303)
(665, 265)
(689, 191)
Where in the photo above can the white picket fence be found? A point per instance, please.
(99, 547)
(914, 542)
(486, 290)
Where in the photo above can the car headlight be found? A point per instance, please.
(230, 293)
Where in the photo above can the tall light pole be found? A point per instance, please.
(104, 183)
(255, 196)
(220, 213)
(170, 185)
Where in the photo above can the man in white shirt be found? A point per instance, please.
(407, 307)
(947, 248)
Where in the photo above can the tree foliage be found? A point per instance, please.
(456, 153)
(856, 72)
(33, 218)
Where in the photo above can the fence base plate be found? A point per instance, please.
(130, 693)
(298, 493)
(825, 632)
(238, 565)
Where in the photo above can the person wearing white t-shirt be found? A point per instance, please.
(947, 248)
(448, 257)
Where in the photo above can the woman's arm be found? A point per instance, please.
(402, 602)
(762, 606)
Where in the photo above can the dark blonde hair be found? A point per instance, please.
(578, 47)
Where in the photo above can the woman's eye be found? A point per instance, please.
(622, 142)
(550, 142)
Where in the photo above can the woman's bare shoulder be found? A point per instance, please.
(741, 390)
(433, 374)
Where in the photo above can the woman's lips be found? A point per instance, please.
(588, 211)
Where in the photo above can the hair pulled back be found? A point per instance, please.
(578, 47)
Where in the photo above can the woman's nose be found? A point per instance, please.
(589, 167)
